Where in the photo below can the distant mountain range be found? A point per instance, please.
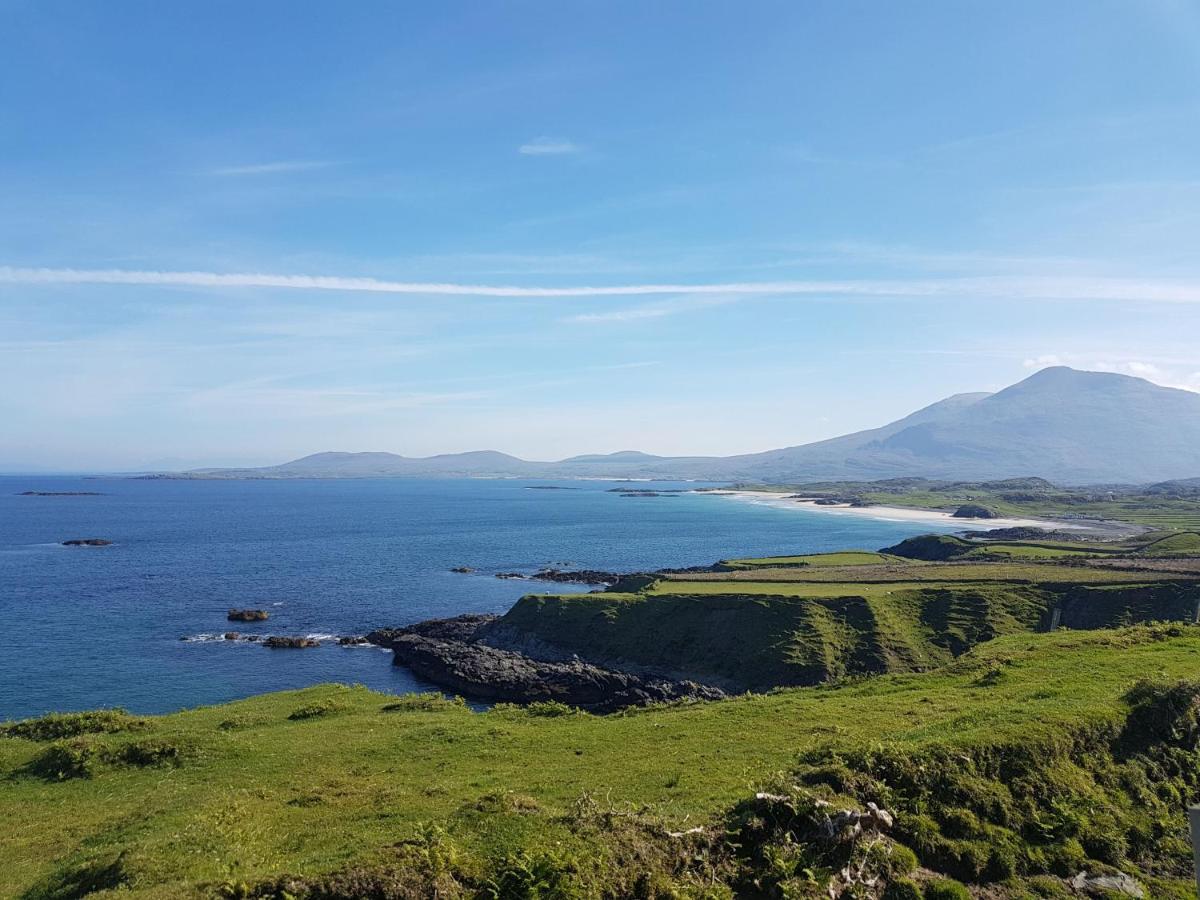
(1062, 424)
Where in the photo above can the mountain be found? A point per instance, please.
(1062, 424)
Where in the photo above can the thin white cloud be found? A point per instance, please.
(1001, 288)
(279, 167)
(544, 146)
(651, 311)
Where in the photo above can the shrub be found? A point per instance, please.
(75, 758)
(1103, 841)
(893, 860)
(946, 889)
(314, 710)
(145, 753)
(903, 889)
(1066, 858)
(961, 823)
(550, 709)
(1045, 886)
(65, 725)
(429, 702)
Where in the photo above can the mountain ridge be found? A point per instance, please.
(1062, 424)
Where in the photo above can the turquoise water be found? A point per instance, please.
(88, 627)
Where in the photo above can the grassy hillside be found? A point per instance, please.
(420, 793)
(748, 635)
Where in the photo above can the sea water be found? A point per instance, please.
(138, 624)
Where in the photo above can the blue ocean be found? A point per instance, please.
(135, 624)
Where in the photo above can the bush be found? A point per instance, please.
(1105, 843)
(895, 860)
(429, 702)
(145, 753)
(66, 725)
(946, 889)
(902, 889)
(62, 760)
(1066, 858)
(550, 709)
(314, 710)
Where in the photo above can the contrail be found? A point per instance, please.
(1009, 287)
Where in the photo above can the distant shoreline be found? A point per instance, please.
(900, 513)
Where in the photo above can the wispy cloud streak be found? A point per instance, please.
(1012, 288)
(273, 168)
(544, 146)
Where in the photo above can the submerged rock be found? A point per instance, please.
(86, 542)
(462, 570)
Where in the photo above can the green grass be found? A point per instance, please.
(256, 793)
(1185, 544)
(1026, 551)
(756, 635)
(971, 571)
(843, 558)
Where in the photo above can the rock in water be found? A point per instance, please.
(86, 542)
(248, 615)
(284, 642)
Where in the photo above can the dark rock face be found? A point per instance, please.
(579, 576)
(459, 654)
(974, 511)
(86, 542)
(248, 615)
(284, 642)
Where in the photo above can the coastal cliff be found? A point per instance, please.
(480, 656)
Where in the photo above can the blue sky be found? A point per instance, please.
(806, 218)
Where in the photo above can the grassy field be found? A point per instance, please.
(843, 558)
(982, 570)
(316, 780)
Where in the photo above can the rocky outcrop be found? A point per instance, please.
(468, 654)
(974, 511)
(248, 615)
(564, 576)
(86, 542)
(289, 643)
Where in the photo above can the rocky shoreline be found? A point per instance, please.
(478, 656)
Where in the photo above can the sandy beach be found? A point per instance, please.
(898, 513)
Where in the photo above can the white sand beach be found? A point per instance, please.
(898, 513)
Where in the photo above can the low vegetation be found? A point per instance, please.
(1030, 722)
(1028, 759)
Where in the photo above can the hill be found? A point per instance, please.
(1060, 424)
(1029, 760)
